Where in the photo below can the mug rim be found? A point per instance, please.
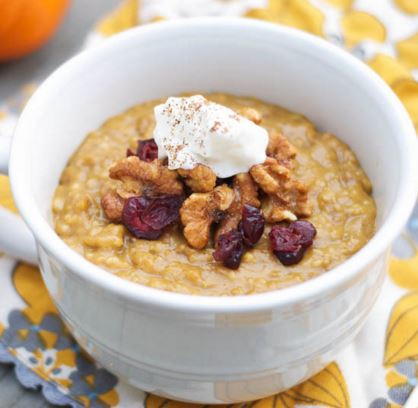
(310, 289)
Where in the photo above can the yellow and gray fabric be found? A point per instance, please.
(380, 369)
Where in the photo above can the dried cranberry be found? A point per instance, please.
(306, 230)
(132, 218)
(162, 211)
(289, 242)
(229, 249)
(147, 150)
(252, 225)
(146, 217)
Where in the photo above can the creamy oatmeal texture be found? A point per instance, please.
(343, 211)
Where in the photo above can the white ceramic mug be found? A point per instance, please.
(214, 349)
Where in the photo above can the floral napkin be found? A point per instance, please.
(379, 369)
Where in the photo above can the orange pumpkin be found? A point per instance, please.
(25, 25)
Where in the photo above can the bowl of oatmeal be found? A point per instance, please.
(233, 220)
(230, 259)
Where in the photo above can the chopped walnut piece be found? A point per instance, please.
(201, 179)
(280, 149)
(196, 220)
(246, 189)
(221, 198)
(200, 210)
(274, 211)
(251, 114)
(288, 198)
(245, 192)
(130, 188)
(140, 177)
(112, 204)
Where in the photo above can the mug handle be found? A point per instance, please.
(15, 238)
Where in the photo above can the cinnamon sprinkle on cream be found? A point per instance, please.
(193, 130)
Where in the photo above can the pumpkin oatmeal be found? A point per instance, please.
(296, 213)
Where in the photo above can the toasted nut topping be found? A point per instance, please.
(146, 177)
(149, 178)
(200, 179)
(251, 114)
(245, 192)
(200, 210)
(280, 149)
(288, 198)
(274, 212)
(196, 220)
(221, 198)
(112, 205)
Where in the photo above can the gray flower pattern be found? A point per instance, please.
(22, 333)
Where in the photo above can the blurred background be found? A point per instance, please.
(71, 32)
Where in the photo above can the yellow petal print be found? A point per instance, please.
(110, 398)
(301, 14)
(28, 283)
(404, 272)
(124, 17)
(6, 198)
(282, 400)
(358, 26)
(295, 13)
(327, 388)
(393, 379)
(402, 330)
(409, 6)
(270, 13)
(276, 401)
(408, 51)
(389, 68)
(407, 91)
(262, 14)
(343, 4)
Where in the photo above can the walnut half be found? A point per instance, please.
(280, 149)
(287, 197)
(200, 179)
(200, 210)
(139, 177)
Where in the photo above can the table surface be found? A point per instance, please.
(67, 41)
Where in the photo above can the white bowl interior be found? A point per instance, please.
(274, 64)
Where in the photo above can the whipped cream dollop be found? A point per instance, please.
(192, 130)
